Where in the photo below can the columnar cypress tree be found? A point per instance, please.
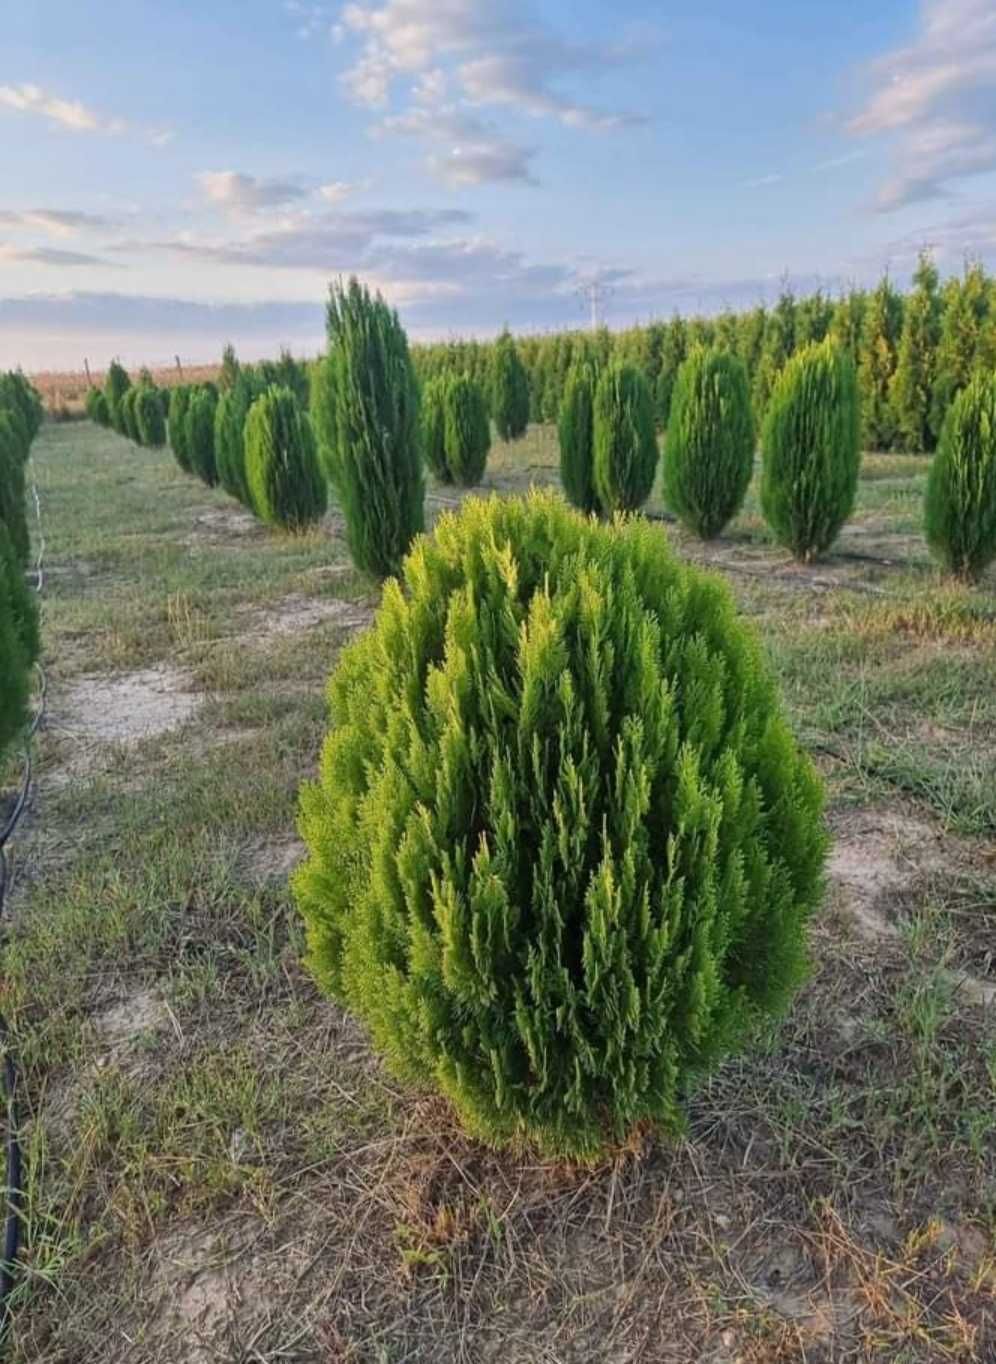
(378, 466)
(149, 417)
(775, 351)
(433, 422)
(21, 599)
(509, 390)
(199, 433)
(467, 432)
(709, 450)
(967, 306)
(24, 403)
(877, 361)
(625, 441)
(563, 846)
(576, 430)
(847, 323)
(674, 348)
(116, 385)
(179, 402)
(229, 433)
(912, 388)
(960, 510)
(811, 450)
(14, 687)
(322, 400)
(129, 415)
(285, 480)
(12, 487)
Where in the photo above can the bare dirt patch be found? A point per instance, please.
(295, 614)
(224, 523)
(128, 707)
(875, 854)
(274, 859)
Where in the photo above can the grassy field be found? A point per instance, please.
(218, 1167)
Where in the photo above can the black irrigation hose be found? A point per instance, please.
(14, 1186)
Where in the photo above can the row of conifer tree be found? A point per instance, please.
(912, 352)
(20, 418)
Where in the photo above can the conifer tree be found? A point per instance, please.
(911, 392)
(149, 417)
(776, 347)
(322, 400)
(961, 487)
(229, 369)
(709, 448)
(563, 846)
(811, 450)
(624, 439)
(378, 466)
(285, 480)
(509, 390)
(967, 306)
(129, 415)
(179, 402)
(13, 515)
(433, 419)
(22, 600)
(14, 686)
(116, 385)
(878, 355)
(847, 322)
(466, 432)
(576, 433)
(229, 433)
(674, 348)
(199, 434)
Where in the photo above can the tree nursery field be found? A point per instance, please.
(217, 1164)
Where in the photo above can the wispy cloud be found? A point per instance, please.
(773, 179)
(56, 222)
(49, 255)
(67, 113)
(240, 193)
(937, 96)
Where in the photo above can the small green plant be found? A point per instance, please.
(960, 507)
(576, 434)
(12, 486)
(563, 846)
(199, 433)
(149, 417)
(811, 450)
(509, 390)
(378, 466)
(176, 425)
(284, 477)
(624, 439)
(709, 450)
(116, 385)
(433, 416)
(466, 432)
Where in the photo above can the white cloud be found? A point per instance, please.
(937, 97)
(57, 222)
(241, 193)
(482, 162)
(47, 255)
(71, 114)
(336, 190)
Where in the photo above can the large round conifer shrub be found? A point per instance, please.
(624, 439)
(709, 447)
(563, 846)
(961, 487)
(285, 480)
(811, 450)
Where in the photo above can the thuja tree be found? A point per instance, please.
(432, 416)
(229, 433)
(20, 397)
(624, 439)
(709, 451)
(13, 658)
(199, 434)
(466, 431)
(509, 390)
(230, 369)
(321, 405)
(960, 510)
(576, 434)
(12, 487)
(877, 360)
(912, 388)
(563, 846)
(176, 422)
(129, 414)
(116, 385)
(811, 450)
(379, 478)
(285, 480)
(149, 417)
(22, 600)
(967, 309)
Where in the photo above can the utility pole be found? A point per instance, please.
(594, 294)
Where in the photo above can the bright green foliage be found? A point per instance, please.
(149, 417)
(709, 452)
(811, 447)
(322, 399)
(12, 486)
(116, 385)
(509, 390)
(961, 488)
(878, 357)
(576, 432)
(229, 433)
(179, 402)
(199, 433)
(847, 323)
(776, 348)
(379, 477)
(962, 347)
(467, 432)
(95, 406)
(285, 480)
(563, 846)
(624, 439)
(21, 599)
(912, 389)
(433, 423)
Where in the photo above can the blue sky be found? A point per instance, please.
(177, 175)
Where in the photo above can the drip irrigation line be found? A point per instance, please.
(14, 1184)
